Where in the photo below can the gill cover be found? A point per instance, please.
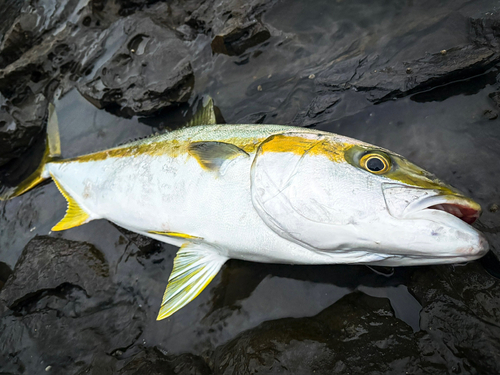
(293, 188)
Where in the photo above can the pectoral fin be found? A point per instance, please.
(213, 155)
(194, 267)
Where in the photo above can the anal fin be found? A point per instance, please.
(75, 215)
(194, 267)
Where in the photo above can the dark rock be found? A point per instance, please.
(485, 30)
(20, 123)
(236, 39)
(127, 7)
(356, 335)
(490, 115)
(28, 29)
(319, 108)
(380, 81)
(41, 51)
(62, 301)
(253, 118)
(8, 13)
(5, 272)
(395, 80)
(149, 72)
(460, 313)
(47, 263)
(235, 25)
(153, 362)
(495, 96)
(59, 59)
(430, 71)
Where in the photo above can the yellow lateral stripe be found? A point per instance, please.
(175, 234)
(300, 144)
(75, 215)
(172, 148)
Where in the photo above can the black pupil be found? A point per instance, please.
(375, 164)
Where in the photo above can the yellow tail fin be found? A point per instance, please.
(52, 152)
(75, 215)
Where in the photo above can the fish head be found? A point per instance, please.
(361, 203)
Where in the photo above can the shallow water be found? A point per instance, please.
(445, 130)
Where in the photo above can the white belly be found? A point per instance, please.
(160, 193)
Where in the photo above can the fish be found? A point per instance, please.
(262, 193)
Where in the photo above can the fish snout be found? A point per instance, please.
(476, 248)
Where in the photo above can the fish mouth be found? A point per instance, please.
(461, 207)
(442, 223)
(403, 201)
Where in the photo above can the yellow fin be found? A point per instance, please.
(194, 267)
(176, 234)
(75, 215)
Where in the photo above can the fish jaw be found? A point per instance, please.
(440, 222)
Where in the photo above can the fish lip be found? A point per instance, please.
(461, 207)
(420, 199)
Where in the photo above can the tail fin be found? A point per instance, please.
(52, 152)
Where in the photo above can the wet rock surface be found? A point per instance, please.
(43, 49)
(148, 73)
(421, 79)
(326, 343)
(20, 124)
(459, 315)
(154, 362)
(60, 295)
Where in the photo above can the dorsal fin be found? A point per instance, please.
(75, 215)
(212, 155)
(195, 265)
(206, 115)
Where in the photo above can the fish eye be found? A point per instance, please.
(375, 163)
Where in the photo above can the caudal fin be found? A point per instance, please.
(52, 152)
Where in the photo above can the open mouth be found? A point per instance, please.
(403, 202)
(466, 213)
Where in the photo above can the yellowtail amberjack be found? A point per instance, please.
(263, 193)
